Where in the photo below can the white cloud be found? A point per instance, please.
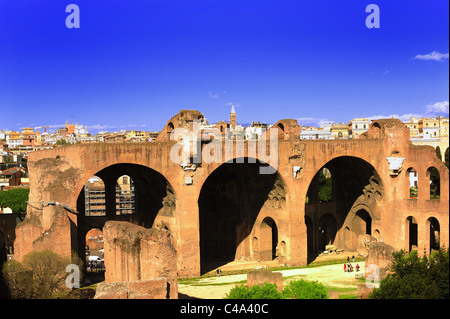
(311, 121)
(51, 126)
(436, 56)
(110, 127)
(212, 95)
(438, 107)
(404, 117)
(431, 110)
(231, 103)
(101, 127)
(386, 72)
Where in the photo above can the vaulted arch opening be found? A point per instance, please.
(435, 182)
(413, 182)
(269, 239)
(411, 234)
(341, 204)
(94, 197)
(94, 251)
(229, 203)
(434, 234)
(125, 192)
(327, 231)
(125, 196)
(362, 223)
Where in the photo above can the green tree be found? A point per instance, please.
(324, 187)
(266, 291)
(302, 289)
(416, 278)
(61, 142)
(39, 275)
(239, 292)
(447, 157)
(435, 183)
(438, 152)
(16, 199)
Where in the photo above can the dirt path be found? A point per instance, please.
(218, 287)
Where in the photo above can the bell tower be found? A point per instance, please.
(232, 117)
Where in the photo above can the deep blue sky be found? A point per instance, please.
(136, 63)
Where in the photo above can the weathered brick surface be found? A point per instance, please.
(380, 254)
(364, 291)
(259, 277)
(139, 255)
(142, 289)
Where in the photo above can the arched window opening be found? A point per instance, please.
(170, 127)
(413, 180)
(434, 233)
(94, 251)
(283, 249)
(321, 188)
(363, 223)
(325, 186)
(269, 239)
(280, 128)
(435, 183)
(255, 248)
(94, 194)
(377, 235)
(411, 233)
(347, 238)
(125, 196)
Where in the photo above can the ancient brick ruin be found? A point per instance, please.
(141, 263)
(218, 211)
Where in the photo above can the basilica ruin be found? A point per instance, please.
(215, 212)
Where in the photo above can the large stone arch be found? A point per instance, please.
(155, 200)
(233, 201)
(357, 187)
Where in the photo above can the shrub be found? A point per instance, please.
(38, 276)
(266, 291)
(302, 289)
(18, 280)
(239, 292)
(416, 278)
